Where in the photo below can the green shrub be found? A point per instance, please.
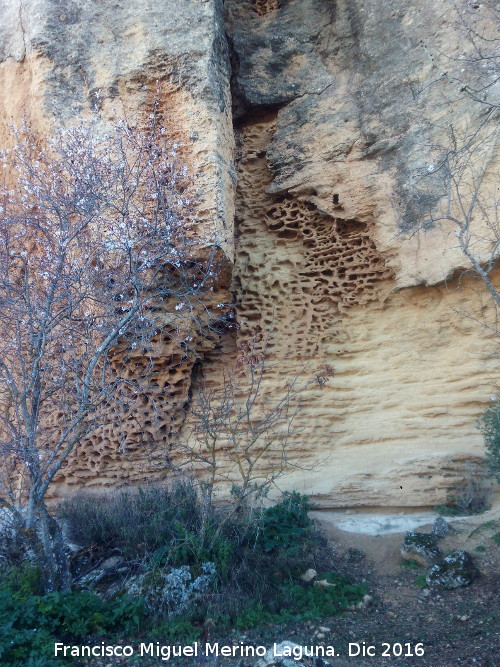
(489, 424)
(258, 555)
(316, 602)
(253, 615)
(410, 564)
(22, 581)
(286, 526)
(298, 601)
(30, 624)
(447, 509)
(177, 630)
(137, 523)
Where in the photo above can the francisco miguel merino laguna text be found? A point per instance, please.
(167, 651)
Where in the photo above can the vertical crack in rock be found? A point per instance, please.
(299, 267)
(23, 32)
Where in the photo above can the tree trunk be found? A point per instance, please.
(45, 539)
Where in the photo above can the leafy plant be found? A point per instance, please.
(410, 564)
(286, 525)
(30, 624)
(243, 571)
(447, 509)
(298, 601)
(177, 630)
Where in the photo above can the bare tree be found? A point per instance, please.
(97, 251)
(460, 186)
(468, 197)
(238, 434)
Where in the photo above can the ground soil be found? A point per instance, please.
(458, 627)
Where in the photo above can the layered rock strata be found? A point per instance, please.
(340, 111)
(102, 62)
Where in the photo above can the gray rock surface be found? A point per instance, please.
(457, 569)
(421, 548)
(441, 527)
(360, 84)
(271, 658)
(89, 46)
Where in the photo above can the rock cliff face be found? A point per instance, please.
(61, 61)
(310, 125)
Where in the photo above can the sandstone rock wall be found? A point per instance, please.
(61, 62)
(342, 108)
(315, 144)
(396, 425)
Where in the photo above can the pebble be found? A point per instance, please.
(309, 575)
(324, 629)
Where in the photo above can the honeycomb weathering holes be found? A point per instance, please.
(296, 271)
(295, 266)
(264, 7)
